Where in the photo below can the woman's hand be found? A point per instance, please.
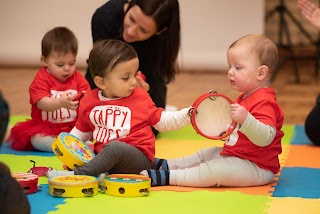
(310, 11)
(141, 81)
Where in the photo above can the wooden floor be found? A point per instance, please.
(296, 99)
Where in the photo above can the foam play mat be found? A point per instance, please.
(295, 189)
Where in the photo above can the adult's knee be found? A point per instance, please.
(312, 124)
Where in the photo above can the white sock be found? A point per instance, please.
(88, 143)
(55, 173)
(144, 172)
(101, 181)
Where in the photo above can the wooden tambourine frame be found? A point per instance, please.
(210, 116)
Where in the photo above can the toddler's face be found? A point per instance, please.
(243, 68)
(121, 80)
(60, 66)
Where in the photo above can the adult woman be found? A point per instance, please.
(152, 27)
(10, 190)
(312, 13)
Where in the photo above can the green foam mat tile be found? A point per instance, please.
(169, 202)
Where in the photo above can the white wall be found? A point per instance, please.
(208, 28)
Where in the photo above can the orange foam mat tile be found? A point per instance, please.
(294, 206)
(265, 190)
(303, 156)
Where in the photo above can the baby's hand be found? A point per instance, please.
(238, 113)
(66, 101)
(141, 81)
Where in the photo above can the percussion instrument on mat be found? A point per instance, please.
(38, 170)
(28, 181)
(71, 150)
(72, 186)
(79, 96)
(128, 185)
(210, 116)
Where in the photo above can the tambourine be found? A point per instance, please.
(73, 186)
(79, 96)
(127, 185)
(38, 170)
(210, 116)
(28, 181)
(71, 150)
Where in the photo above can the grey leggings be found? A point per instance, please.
(207, 168)
(116, 157)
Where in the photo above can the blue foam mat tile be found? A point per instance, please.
(300, 137)
(298, 182)
(42, 202)
(6, 149)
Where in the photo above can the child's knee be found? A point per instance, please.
(42, 143)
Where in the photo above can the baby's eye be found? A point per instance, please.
(125, 78)
(60, 65)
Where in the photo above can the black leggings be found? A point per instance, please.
(312, 124)
(116, 158)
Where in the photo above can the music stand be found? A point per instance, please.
(284, 31)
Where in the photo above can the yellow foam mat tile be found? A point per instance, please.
(294, 206)
(167, 149)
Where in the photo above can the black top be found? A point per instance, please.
(107, 23)
(107, 20)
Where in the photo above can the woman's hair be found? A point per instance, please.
(166, 14)
(60, 40)
(106, 54)
(263, 47)
(4, 117)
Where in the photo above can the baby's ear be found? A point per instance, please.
(263, 72)
(99, 81)
(44, 61)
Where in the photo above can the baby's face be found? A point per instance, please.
(121, 80)
(244, 68)
(60, 66)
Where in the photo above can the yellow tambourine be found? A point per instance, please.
(72, 151)
(127, 185)
(73, 186)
